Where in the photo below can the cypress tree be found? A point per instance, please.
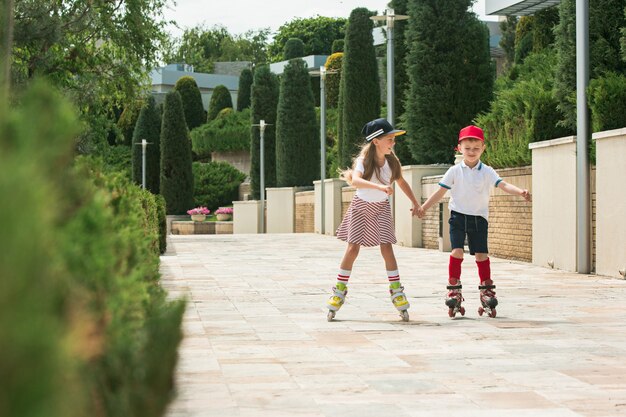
(148, 127)
(192, 101)
(243, 94)
(297, 140)
(220, 99)
(176, 175)
(360, 84)
(333, 63)
(264, 98)
(451, 76)
(294, 48)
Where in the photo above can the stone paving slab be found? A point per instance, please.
(257, 342)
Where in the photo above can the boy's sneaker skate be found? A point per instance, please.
(454, 300)
(336, 300)
(487, 298)
(398, 298)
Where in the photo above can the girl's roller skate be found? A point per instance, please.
(336, 301)
(454, 300)
(487, 298)
(398, 298)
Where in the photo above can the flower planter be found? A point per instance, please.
(198, 217)
(224, 217)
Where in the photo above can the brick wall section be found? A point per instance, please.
(510, 218)
(305, 212)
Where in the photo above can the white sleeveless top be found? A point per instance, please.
(370, 194)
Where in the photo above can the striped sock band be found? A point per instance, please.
(394, 278)
(342, 278)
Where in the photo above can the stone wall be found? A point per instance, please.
(305, 208)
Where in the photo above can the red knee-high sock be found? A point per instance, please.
(484, 270)
(454, 270)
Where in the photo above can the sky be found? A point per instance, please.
(239, 16)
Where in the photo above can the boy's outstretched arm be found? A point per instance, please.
(511, 189)
(433, 199)
(406, 189)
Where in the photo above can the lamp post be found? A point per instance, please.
(390, 17)
(262, 125)
(144, 143)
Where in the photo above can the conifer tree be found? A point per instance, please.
(294, 48)
(220, 99)
(192, 101)
(176, 175)
(148, 127)
(243, 93)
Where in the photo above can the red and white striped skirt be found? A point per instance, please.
(367, 223)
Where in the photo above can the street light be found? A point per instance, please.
(322, 73)
(262, 125)
(390, 18)
(143, 145)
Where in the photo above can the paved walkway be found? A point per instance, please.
(257, 342)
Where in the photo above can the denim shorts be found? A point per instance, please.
(475, 227)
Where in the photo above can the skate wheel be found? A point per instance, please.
(451, 312)
(462, 310)
(480, 311)
(405, 315)
(330, 316)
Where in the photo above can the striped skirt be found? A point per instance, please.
(367, 223)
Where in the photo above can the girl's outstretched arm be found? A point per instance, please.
(406, 189)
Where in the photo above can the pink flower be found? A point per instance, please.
(224, 210)
(199, 210)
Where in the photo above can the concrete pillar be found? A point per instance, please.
(247, 217)
(332, 205)
(610, 203)
(281, 210)
(554, 203)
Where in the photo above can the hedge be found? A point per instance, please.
(229, 132)
(216, 184)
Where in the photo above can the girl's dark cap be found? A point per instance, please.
(379, 127)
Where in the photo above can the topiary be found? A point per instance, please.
(192, 101)
(220, 99)
(216, 184)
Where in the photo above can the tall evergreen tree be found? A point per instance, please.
(176, 175)
(220, 99)
(264, 99)
(243, 93)
(451, 75)
(294, 48)
(360, 83)
(333, 65)
(507, 42)
(148, 127)
(192, 101)
(297, 144)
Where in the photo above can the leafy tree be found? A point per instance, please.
(360, 84)
(318, 34)
(334, 64)
(176, 177)
(294, 48)
(264, 97)
(451, 76)
(127, 121)
(192, 101)
(148, 127)
(243, 94)
(297, 146)
(220, 99)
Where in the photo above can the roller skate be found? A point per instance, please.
(336, 300)
(487, 298)
(454, 300)
(398, 298)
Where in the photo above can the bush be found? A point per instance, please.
(192, 101)
(607, 102)
(337, 46)
(333, 63)
(117, 159)
(162, 220)
(294, 48)
(220, 99)
(216, 184)
(229, 132)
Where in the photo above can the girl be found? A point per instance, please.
(368, 221)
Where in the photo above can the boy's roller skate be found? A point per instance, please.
(487, 298)
(454, 300)
(336, 300)
(398, 298)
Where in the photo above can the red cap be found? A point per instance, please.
(473, 132)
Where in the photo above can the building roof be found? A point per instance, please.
(517, 7)
(169, 74)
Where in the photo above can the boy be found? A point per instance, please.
(469, 183)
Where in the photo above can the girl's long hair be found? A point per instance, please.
(368, 153)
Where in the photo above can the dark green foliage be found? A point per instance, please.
(229, 132)
(507, 42)
(297, 140)
(401, 78)
(360, 84)
(220, 99)
(264, 106)
(607, 102)
(117, 159)
(318, 34)
(338, 46)
(162, 219)
(545, 22)
(216, 184)
(565, 81)
(192, 101)
(523, 48)
(148, 127)
(176, 179)
(451, 76)
(85, 329)
(294, 48)
(243, 93)
(334, 64)
(623, 40)
(127, 121)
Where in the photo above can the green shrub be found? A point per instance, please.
(337, 46)
(229, 132)
(333, 63)
(162, 220)
(220, 99)
(216, 184)
(192, 101)
(607, 102)
(117, 159)
(294, 48)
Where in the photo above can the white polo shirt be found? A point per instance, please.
(370, 194)
(470, 188)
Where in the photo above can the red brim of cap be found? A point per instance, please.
(471, 137)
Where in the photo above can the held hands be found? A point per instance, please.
(526, 195)
(417, 211)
